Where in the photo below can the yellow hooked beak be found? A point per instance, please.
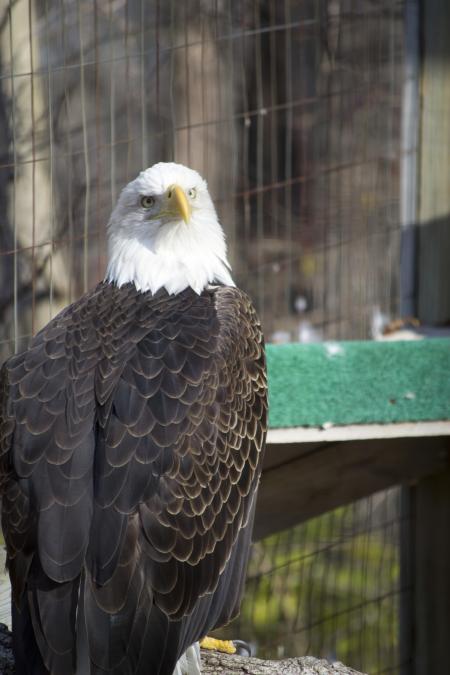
(178, 203)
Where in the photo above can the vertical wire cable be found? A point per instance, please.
(297, 624)
(316, 525)
(33, 173)
(98, 154)
(158, 65)
(205, 143)
(313, 211)
(330, 528)
(354, 530)
(277, 543)
(259, 162)
(245, 152)
(50, 127)
(128, 95)
(86, 155)
(380, 572)
(328, 296)
(409, 158)
(275, 308)
(365, 558)
(301, 547)
(289, 540)
(387, 289)
(231, 133)
(273, 117)
(340, 273)
(172, 152)
(348, 224)
(13, 209)
(326, 581)
(368, 288)
(288, 152)
(112, 109)
(339, 546)
(143, 91)
(209, 113)
(68, 150)
(187, 88)
(220, 126)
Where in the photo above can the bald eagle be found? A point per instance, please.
(131, 439)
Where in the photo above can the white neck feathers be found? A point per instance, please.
(176, 257)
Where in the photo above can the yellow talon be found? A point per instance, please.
(226, 646)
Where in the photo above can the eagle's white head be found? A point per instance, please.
(164, 233)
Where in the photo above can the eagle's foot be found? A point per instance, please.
(226, 646)
(190, 663)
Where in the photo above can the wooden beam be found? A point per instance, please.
(353, 432)
(302, 481)
(434, 167)
(431, 576)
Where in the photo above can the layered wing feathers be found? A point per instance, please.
(136, 425)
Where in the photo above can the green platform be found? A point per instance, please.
(346, 383)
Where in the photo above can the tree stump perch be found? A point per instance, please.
(217, 663)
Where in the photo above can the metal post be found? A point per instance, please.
(409, 163)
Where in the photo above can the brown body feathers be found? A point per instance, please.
(131, 439)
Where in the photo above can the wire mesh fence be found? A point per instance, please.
(292, 111)
(330, 587)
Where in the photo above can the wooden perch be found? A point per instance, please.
(216, 663)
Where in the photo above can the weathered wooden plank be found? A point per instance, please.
(431, 576)
(357, 432)
(295, 487)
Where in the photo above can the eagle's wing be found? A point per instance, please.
(136, 426)
(47, 414)
(177, 466)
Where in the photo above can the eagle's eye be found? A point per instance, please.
(147, 201)
(192, 193)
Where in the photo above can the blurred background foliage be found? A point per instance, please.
(329, 587)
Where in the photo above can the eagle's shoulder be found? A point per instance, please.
(240, 334)
(233, 299)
